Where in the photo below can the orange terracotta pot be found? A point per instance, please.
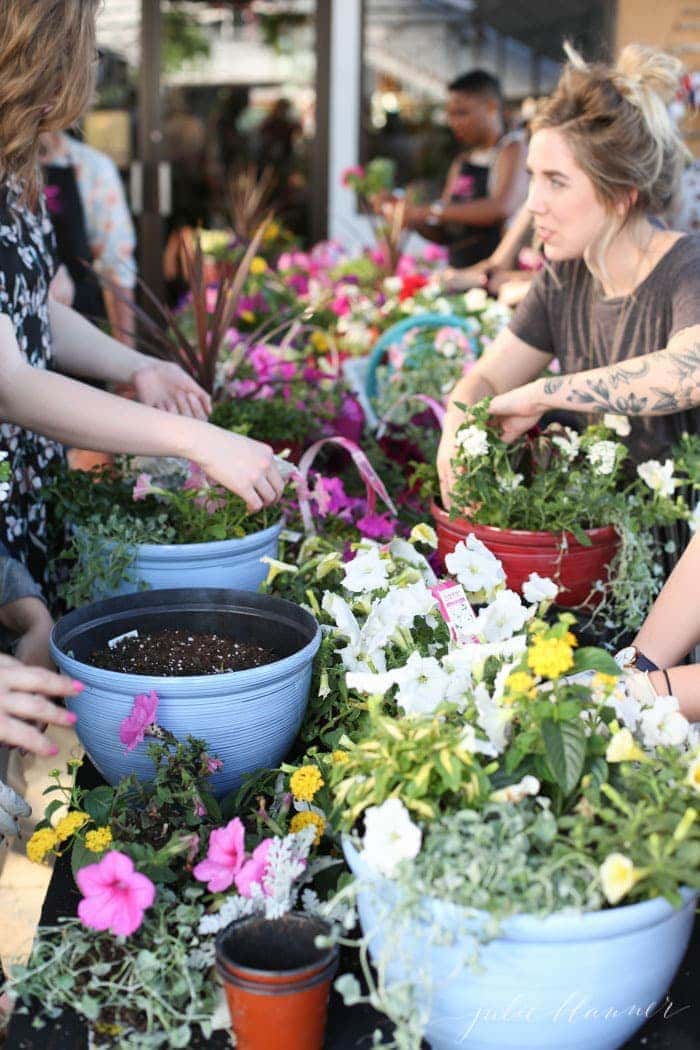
(277, 981)
(573, 566)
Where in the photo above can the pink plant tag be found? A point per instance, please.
(455, 610)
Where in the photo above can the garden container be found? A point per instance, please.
(277, 981)
(561, 557)
(583, 981)
(248, 718)
(398, 330)
(221, 563)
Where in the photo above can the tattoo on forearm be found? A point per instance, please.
(681, 365)
(553, 383)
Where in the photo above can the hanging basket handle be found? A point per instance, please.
(438, 410)
(374, 485)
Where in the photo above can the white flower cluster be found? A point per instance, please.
(568, 443)
(473, 441)
(602, 456)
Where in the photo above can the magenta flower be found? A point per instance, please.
(462, 186)
(225, 857)
(115, 896)
(254, 870)
(133, 728)
(143, 487)
(352, 174)
(377, 526)
(213, 764)
(435, 253)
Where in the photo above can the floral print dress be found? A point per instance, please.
(27, 265)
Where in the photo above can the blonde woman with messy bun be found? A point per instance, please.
(619, 300)
(47, 52)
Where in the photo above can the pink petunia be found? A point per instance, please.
(225, 857)
(115, 896)
(435, 253)
(143, 487)
(133, 728)
(213, 764)
(377, 526)
(254, 870)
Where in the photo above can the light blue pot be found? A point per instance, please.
(248, 718)
(221, 563)
(565, 982)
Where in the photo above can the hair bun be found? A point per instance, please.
(642, 72)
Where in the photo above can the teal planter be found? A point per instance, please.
(565, 982)
(248, 718)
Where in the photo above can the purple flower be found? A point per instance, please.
(133, 728)
(377, 526)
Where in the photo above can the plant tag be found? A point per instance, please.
(120, 638)
(455, 610)
(290, 535)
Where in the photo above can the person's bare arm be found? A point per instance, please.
(82, 350)
(119, 305)
(508, 362)
(83, 417)
(656, 384)
(672, 627)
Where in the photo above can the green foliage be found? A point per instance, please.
(183, 40)
(275, 419)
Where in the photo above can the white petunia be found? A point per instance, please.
(366, 572)
(476, 568)
(343, 616)
(619, 424)
(392, 285)
(390, 836)
(514, 482)
(494, 718)
(476, 299)
(568, 444)
(602, 455)
(401, 548)
(424, 533)
(473, 441)
(517, 792)
(659, 477)
(663, 724)
(504, 617)
(423, 685)
(539, 589)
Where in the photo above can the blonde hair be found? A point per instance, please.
(617, 124)
(47, 49)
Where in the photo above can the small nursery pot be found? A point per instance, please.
(574, 568)
(277, 981)
(248, 718)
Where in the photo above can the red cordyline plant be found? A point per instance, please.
(249, 195)
(160, 332)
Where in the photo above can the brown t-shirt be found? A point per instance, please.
(566, 314)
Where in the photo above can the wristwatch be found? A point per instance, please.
(435, 210)
(632, 657)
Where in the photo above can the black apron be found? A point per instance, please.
(68, 218)
(471, 244)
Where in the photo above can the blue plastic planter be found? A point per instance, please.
(565, 982)
(248, 718)
(222, 563)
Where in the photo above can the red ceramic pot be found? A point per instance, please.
(277, 981)
(573, 567)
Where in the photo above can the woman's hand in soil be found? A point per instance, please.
(519, 409)
(165, 385)
(24, 705)
(243, 465)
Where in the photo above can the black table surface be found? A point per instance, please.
(676, 1025)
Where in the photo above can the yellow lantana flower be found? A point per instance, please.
(604, 681)
(302, 820)
(617, 876)
(339, 757)
(248, 316)
(258, 266)
(305, 782)
(272, 232)
(69, 824)
(41, 843)
(520, 683)
(320, 341)
(550, 657)
(98, 840)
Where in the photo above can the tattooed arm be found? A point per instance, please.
(656, 384)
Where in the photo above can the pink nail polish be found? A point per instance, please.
(54, 750)
(77, 686)
(72, 717)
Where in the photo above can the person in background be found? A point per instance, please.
(487, 182)
(93, 226)
(605, 155)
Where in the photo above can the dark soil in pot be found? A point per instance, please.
(176, 653)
